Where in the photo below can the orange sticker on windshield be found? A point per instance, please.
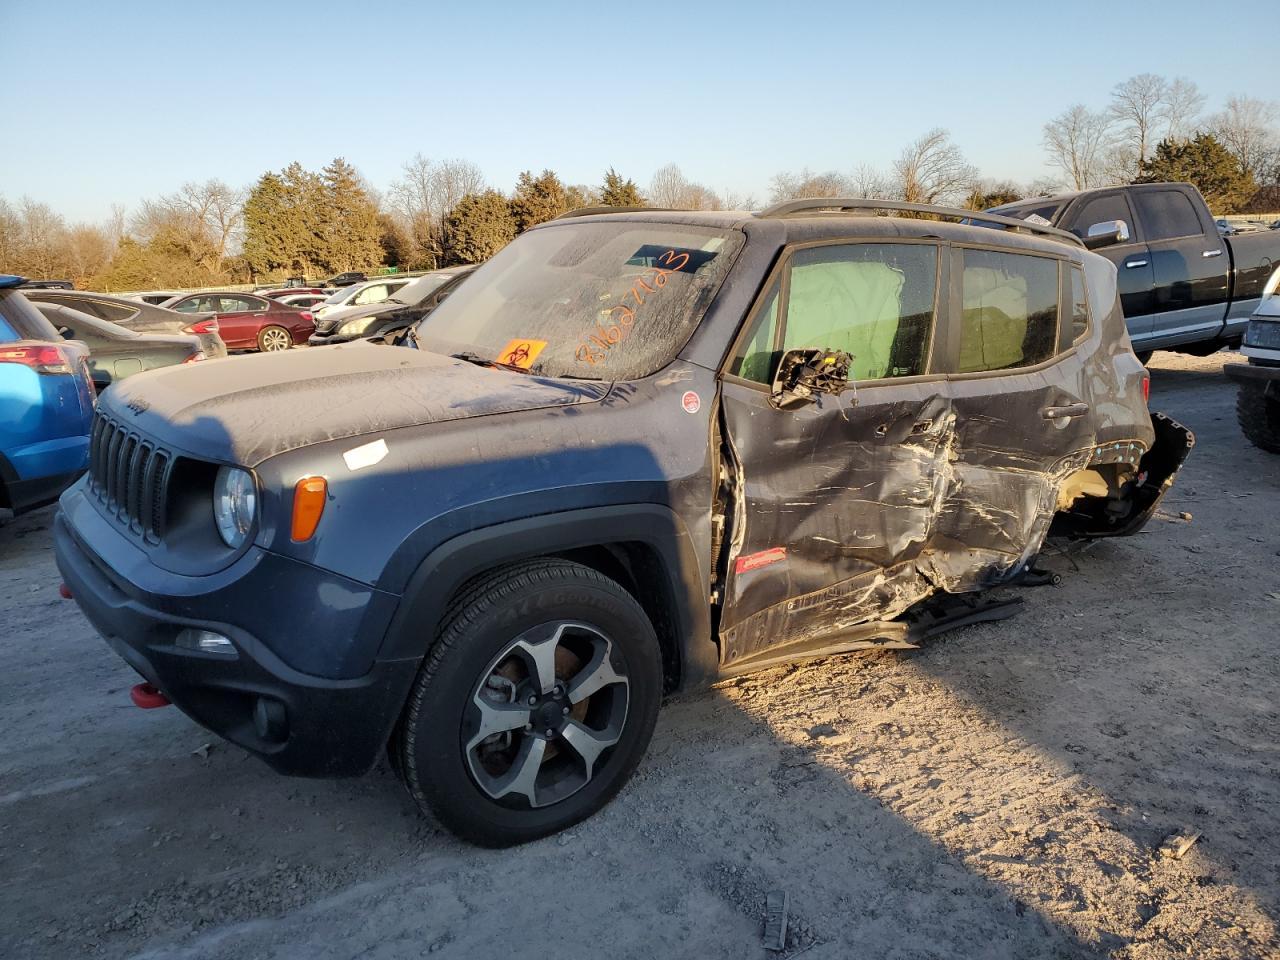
(522, 353)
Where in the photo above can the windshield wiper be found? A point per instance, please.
(486, 362)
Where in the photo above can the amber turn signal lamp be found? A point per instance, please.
(308, 504)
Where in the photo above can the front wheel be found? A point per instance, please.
(1259, 416)
(271, 339)
(534, 706)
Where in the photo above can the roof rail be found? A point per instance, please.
(592, 211)
(854, 204)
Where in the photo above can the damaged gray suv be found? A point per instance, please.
(635, 452)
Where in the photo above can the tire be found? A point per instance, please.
(1259, 417)
(471, 749)
(273, 338)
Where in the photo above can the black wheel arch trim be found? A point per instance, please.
(451, 564)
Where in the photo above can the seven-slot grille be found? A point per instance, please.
(130, 476)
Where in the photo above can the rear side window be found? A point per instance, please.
(1100, 210)
(26, 322)
(1079, 306)
(1167, 214)
(1010, 316)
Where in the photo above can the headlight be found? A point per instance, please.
(234, 503)
(353, 328)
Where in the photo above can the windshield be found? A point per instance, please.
(597, 301)
(414, 292)
(341, 295)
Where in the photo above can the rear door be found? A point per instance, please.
(240, 317)
(1132, 259)
(1023, 409)
(1189, 297)
(830, 507)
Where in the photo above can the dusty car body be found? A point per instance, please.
(633, 453)
(1258, 397)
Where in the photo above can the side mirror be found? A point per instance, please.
(803, 375)
(1106, 233)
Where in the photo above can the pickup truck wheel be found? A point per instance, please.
(534, 706)
(271, 339)
(1259, 417)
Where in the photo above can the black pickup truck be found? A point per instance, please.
(1183, 286)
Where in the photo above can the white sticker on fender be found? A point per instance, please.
(366, 456)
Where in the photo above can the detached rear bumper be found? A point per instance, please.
(298, 723)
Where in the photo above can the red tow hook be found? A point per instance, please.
(147, 697)
(64, 591)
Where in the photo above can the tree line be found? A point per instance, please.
(298, 222)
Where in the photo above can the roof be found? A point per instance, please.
(821, 223)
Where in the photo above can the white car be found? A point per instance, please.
(360, 295)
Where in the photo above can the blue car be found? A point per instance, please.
(46, 405)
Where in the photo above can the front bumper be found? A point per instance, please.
(1262, 375)
(320, 727)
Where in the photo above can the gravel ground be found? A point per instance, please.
(1002, 792)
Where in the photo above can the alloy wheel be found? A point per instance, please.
(544, 713)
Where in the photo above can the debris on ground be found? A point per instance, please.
(202, 751)
(1176, 845)
(775, 920)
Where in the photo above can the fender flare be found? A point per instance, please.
(451, 564)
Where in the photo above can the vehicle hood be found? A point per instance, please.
(246, 409)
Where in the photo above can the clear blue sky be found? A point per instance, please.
(112, 102)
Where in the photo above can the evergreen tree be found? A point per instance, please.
(617, 192)
(1206, 163)
(349, 236)
(265, 245)
(478, 227)
(537, 200)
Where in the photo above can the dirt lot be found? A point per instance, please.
(1001, 793)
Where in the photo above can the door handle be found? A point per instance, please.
(1211, 253)
(1130, 264)
(1066, 412)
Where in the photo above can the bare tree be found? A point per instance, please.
(1137, 105)
(731, 200)
(933, 170)
(1077, 141)
(1246, 127)
(671, 188)
(453, 180)
(1181, 108)
(806, 183)
(866, 181)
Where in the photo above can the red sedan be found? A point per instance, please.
(247, 321)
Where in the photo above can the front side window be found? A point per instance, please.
(757, 358)
(1102, 209)
(1079, 306)
(872, 300)
(1167, 214)
(1010, 304)
(604, 300)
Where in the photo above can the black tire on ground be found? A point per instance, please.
(273, 338)
(527, 781)
(1259, 416)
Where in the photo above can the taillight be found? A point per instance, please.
(41, 358)
(201, 326)
(1146, 387)
(307, 317)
